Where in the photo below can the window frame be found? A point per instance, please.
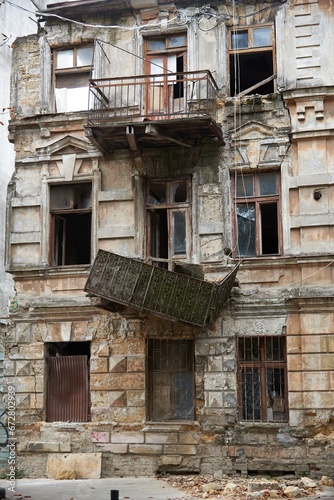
(70, 71)
(258, 200)
(251, 49)
(262, 364)
(57, 255)
(65, 362)
(164, 94)
(173, 406)
(170, 208)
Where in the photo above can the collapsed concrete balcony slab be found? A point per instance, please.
(175, 296)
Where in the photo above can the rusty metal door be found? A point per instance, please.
(67, 389)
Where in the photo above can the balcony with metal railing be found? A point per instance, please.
(148, 110)
(130, 282)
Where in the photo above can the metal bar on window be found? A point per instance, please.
(170, 379)
(262, 379)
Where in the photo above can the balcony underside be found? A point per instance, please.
(185, 132)
(130, 282)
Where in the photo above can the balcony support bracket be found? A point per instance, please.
(157, 131)
(130, 135)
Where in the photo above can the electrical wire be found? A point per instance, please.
(81, 23)
(181, 18)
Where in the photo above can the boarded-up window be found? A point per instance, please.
(262, 379)
(170, 380)
(67, 398)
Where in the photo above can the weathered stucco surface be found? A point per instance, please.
(290, 295)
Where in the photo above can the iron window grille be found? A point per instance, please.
(170, 380)
(262, 379)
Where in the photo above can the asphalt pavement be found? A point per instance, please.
(129, 488)
(133, 488)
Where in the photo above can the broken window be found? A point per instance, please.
(251, 58)
(71, 214)
(257, 214)
(168, 212)
(72, 68)
(262, 379)
(67, 393)
(170, 380)
(166, 63)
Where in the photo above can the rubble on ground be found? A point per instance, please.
(248, 488)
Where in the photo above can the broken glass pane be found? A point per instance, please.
(179, 192)
(246, 229)
(157, 193)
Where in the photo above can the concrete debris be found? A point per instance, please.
(306, 482)
(228, 488)
(292, 491)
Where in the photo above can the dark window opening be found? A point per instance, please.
(72, 239)
(251, 59)
(71, 220)
(67, 390)
(168, 212)
(166, 63)
(159, 235)
(170, 380)
(262, 379)
(257, 214)
(249, 69)
(178, 90)
(269, 228)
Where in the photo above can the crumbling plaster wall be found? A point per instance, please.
(50, 305)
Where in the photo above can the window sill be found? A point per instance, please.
(263, 424)
(166, 426)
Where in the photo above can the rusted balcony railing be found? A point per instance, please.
(148, 288)
(169, 95)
